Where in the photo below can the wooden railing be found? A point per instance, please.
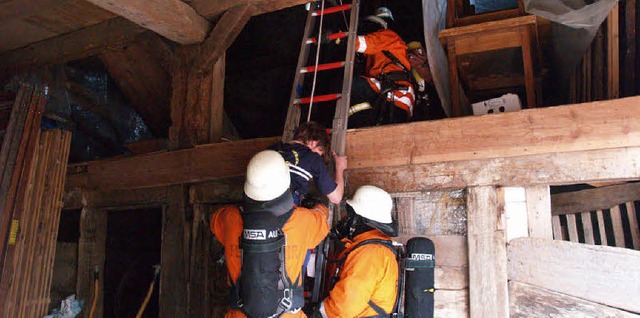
(616, 226)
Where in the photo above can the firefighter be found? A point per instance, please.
(367, 277)
(385, 94)
(427, 104)
(265, 237)
(306, 155)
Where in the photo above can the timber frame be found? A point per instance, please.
(592, 142)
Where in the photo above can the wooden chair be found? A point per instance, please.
(461, 13)
(509, 33)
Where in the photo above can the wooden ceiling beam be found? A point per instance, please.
(496, 147)
(18, 9)
(113, 33)
(210, 9)
(223, 35)
(172, 19)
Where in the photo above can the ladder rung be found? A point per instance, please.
(322, 67)
(333, 36)
(319, 98)
(330, 10)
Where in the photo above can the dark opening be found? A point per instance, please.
(132, 250)
(65, 264)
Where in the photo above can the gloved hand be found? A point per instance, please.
(310, 201)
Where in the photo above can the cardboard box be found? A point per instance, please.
(502, 104)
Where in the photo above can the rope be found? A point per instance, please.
(315, 72)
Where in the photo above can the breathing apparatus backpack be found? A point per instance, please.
(416, 264)
(264, 289)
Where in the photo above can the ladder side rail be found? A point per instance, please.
(294, 112)
(339, 126)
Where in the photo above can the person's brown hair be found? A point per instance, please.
(312, 131)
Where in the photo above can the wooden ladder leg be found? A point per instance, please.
(527, 63)
(456, 110)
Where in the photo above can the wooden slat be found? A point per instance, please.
(528, 301)
(633, 224)
(573, 227)
(223, 35)
(585, 271)
(89, 41)
(487, 253)
(557, 228)
(172, 19)
(539, 211)
(594, 199)
(56, 205)
(629, 62)
(587, 228)
(613, 54)
(618, 230)
(601, 227)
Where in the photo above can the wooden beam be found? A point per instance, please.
(595, 125)
(222, 35)
(113, 33)
(217, 100)
(18, 9)
(145, 83)
(91, 256)
(488, 294)
(533, 302)
(418, 147)
(116, 199)
(594, 199)
(629, 61)
(539, 211)
(613, 52)
(544, 169)
(173, 19)
(175, 256)
(612, 274)
(211, 9)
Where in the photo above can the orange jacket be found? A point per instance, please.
(372, 45)
(304, 230)
(370, 272)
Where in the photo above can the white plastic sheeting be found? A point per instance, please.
(434, 15)
(574, 25)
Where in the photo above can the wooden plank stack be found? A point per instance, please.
(35, 163)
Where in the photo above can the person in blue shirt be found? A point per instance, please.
(306, 156)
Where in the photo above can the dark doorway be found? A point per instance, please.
(132, 250)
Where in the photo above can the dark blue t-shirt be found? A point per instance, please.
(304, 166)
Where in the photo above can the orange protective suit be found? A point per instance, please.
(304, 230)
(372, 45)
(370, 272)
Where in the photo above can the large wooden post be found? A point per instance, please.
(539, 211)
(174, 255)
(91, 257)
(488, 293)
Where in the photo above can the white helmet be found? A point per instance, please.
(384, 13)
(267, 176)
(372, 203)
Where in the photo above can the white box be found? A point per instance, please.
(502, 104)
